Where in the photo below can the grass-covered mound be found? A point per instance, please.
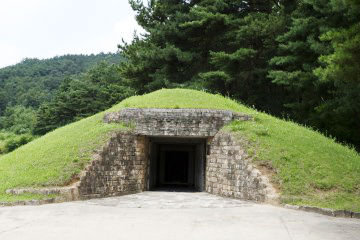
(307, 167)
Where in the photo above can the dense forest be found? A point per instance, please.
(295, 59)
(33, 82)
(32, 92)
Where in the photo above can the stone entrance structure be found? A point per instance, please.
(177, 162)
(174, 148)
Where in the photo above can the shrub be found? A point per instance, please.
(17, 141)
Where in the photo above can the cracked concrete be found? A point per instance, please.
(170, 215)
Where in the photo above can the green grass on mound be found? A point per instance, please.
(53, 159)
(307, 167)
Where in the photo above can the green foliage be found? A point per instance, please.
(207, 44)
(289, 58)
(17, 141)
(318, 64)
(18, 119)
(33, 82)
(4, 136)
(10, 141)
(340, 114)
(97, 90)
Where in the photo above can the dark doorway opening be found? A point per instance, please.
(177, 164)
(176, 167)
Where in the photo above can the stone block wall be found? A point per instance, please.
(175, 122)
(120, 167)
(230, 174)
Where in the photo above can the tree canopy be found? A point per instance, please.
(297, 59)
(37, 96)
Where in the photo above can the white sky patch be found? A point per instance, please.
(123, 29)
(48, 28)
(9, 54)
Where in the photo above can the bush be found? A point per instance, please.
(4, 137)
(18, 119)
(2, 148)
(17, 141)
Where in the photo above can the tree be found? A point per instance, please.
(218, 45)
(241, 70)
(340, 113)
(18, 119)
(77, 98)
(33, 82)
(320, 97)
(276, 55)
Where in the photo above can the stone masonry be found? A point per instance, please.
(175, 122)
(119, 168)
(229, 172)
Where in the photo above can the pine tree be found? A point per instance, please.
(303, 51)
(77, 98)
(218, 45)
(340, 113)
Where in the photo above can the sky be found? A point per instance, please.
(48, 28)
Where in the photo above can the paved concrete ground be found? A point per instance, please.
(170, 216)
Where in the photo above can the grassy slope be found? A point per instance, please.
(310, 168)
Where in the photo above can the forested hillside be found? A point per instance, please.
(297, 59)
(33, 81)
(35, 84)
